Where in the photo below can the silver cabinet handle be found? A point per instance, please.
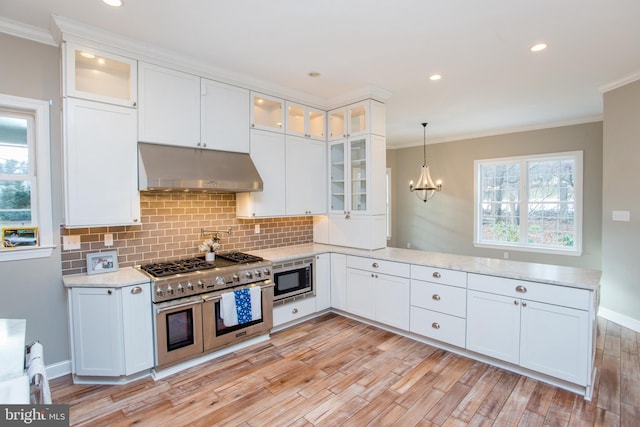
(110, 292)
(294, 311)
(436, 275)
(136, 290)
(375, 265)
(521, 289)
(524, 303)
(435, 297)
(435, 325)
(515, 302)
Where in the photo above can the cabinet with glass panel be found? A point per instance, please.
(357, 119)
(267, 112)
(305, 121)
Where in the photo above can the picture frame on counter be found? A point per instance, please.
(102, 262)
(18, 237)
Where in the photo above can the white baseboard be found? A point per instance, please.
(620, 319)
(59, 369)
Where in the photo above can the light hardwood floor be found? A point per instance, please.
(336, 371)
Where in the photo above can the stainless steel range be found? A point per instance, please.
(191, 300)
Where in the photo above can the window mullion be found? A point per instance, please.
(524, 203)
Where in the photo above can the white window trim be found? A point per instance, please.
(40, 109)
(578, 189)
(388, 207)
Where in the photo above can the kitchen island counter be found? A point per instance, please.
(117, 279)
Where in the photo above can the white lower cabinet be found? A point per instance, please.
(539, 335)
(293, 311)
(374, 295)
(112, 331)
(323, 281)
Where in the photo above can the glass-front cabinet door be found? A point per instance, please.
(100, 76)
(357, 119)
(337, 177)
(349, 175)
(267, 112)
(358, 174)
(305, 121)
(337, 128)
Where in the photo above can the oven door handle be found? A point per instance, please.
(214, 298)
(173, 307)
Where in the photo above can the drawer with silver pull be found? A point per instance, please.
(439, 275)
(533, 291)
(391, 268)
(433, 296)
(293, 311)
(438, 326)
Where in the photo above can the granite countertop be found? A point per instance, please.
(544, 273)
(117, 279)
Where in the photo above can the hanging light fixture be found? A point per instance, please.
(425, 188)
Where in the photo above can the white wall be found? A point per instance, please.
(621, 240)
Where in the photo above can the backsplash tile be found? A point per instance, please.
(170, 229)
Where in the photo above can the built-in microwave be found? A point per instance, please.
(293, 279)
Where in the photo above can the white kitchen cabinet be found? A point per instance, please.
(541, 327)
(137, 328)
(225, 117)
(111, 330)
(305, 121)
(96, 324)
(101, 76)
(306, 176)
(365, 117)
(100, 164)
(169, 106)
(294, 311)
(267, 112)
(378, 290)
(323, 281)
(268, 154)
(339, 281)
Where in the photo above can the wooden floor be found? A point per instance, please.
(336, 371)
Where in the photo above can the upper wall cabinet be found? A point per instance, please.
(225, 117)
(169, 106)
(99, 76)
(267, 112)
(357, 119)
(306, 121)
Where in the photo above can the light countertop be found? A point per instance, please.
(126, 276)
(544, 273)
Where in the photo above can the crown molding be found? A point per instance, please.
(496, 132)
(29, 32)
(372, 92)
(620, 82)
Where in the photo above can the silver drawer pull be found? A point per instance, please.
(521, 289)
(436, 275)
(294, 311)
(136, 290)
(435, 297)
(375, 265)
(515, 302)
(435, 325)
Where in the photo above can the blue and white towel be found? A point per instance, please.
(241, 306)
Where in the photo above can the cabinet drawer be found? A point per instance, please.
(293, 310)
(534, 291)
(444, 299)
(439, 275)
(379, 266)
(441, 327)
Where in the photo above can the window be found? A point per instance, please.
(530, 203)
(25, 178)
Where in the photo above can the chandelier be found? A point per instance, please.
(425, 189)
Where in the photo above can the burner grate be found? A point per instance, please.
(189, 265)
(240, 257)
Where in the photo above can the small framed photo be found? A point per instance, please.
(102, 262)
(19, 237)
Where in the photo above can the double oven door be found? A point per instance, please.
(189, 327)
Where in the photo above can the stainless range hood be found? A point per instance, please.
(167, 167)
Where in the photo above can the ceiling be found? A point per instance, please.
(491, 83)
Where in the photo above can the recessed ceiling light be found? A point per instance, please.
(114, 3)
(435, 77)
(314, 74)
(538, 47)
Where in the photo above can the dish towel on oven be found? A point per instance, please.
(241, 306)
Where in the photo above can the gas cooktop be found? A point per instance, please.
(188, 265)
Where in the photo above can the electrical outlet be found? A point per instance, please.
(506, 255)
(108, 239)
(70, 242)
(256, 230)
(408, 245)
